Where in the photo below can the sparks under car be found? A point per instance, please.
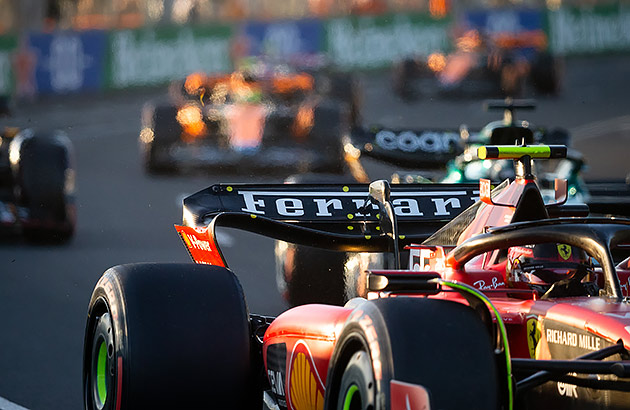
(514, 303)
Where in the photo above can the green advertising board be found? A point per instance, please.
(8, 45)
(153, 56)
(599, 29)
(378, 41)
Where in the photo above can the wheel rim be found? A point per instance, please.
(352, 400)
(101, 364)
(101, 373)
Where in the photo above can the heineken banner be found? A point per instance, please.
(8, 45)
(376, 42)
(155, 56)
(589, 30)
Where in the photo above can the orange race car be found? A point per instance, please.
(246, 121)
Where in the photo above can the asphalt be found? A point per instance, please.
(126, 216)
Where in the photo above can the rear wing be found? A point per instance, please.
(423, 148)
(431, 148)
(330, 216)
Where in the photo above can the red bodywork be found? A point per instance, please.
(299, 347)
(542, 329)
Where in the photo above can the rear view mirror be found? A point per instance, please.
(380, 191)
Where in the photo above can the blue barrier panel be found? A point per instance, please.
(296, 41)
(522, 30)
(504, 20)
(69, 61)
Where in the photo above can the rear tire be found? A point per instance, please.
(44, 182)
(546, 74)
(168, 336)
(436, 344)
(161, 130)
(330, 121)
(305, 274)
(404, 74)
(310, 275)
(344, 88)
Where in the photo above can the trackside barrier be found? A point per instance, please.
(8, 45)
(78, 61)
(601, 29)
(153, 56)
(376, 42)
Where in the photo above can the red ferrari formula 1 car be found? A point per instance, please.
(513, 304)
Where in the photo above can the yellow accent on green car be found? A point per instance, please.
(513, 152)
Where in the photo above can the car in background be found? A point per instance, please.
(271, 119)
(450, 156)
(496, 53)
(37, 184)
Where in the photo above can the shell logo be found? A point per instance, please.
(306, 389)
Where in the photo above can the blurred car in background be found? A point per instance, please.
(482, 65)
(270, 119)
(37, 183)
(448, 157)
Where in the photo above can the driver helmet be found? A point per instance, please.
(543, 264)
(245, 87)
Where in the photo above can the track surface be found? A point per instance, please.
(125, 216)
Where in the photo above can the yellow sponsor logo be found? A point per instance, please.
(533, 335)
(306, 388)
(564, 251)
(186, 240)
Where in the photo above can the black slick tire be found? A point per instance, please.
(437, 344)
(180, 338)
(44, 184)
(161, 130)
(330, 121)
(546, 74)
(305, 274)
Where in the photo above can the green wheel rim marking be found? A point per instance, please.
(101, 372)
(349, 396)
